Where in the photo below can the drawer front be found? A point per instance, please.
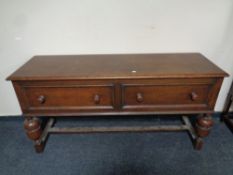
(108, 97)
(165, 96)
(86, 97)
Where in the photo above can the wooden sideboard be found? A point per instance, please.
(126, 84)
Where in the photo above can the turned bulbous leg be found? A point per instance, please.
(33, 129)
(204, 125)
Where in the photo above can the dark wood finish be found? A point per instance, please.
(72, 67)
(33, 128)
(78, 97)
(203, 125)
(129, 84)
(119, 129)
(157, 95)
(34, 131)
(163, 96)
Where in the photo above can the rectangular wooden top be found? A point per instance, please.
(120, 66)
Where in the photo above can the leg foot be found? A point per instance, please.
(198, 143)
(39, 146)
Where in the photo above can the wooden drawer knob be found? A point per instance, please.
(41, 99)
(194, 96)
(97, 99)
(139, 97)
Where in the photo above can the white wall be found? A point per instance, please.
(32, 27)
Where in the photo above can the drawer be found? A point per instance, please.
(165, 96)
(78, 97)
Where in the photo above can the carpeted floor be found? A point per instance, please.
(115, 154)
